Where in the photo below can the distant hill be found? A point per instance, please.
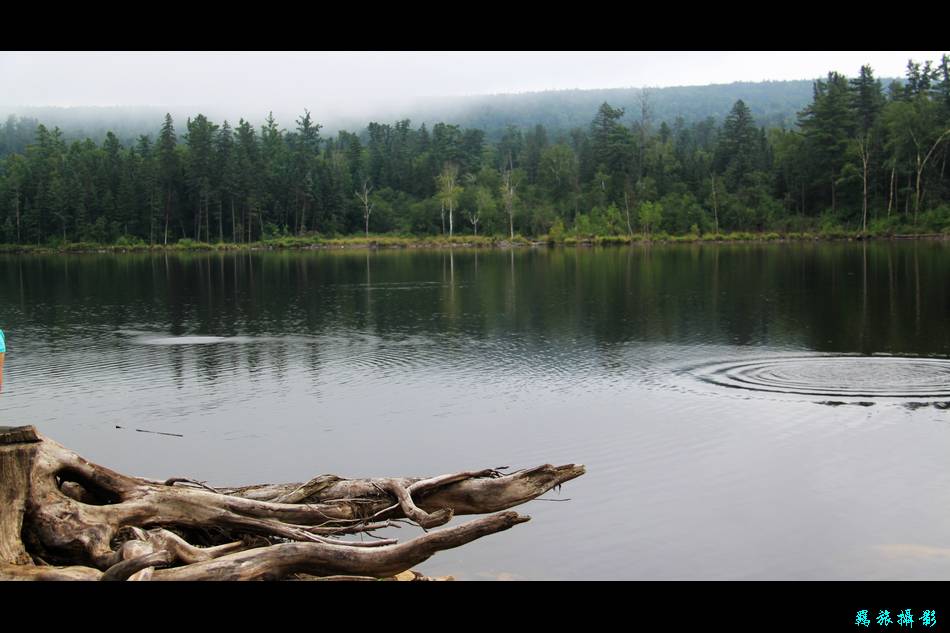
(18, 125)
(773, 104)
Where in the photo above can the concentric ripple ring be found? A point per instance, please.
(842, 376)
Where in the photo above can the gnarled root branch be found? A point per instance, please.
(278, 561)
(90, 522)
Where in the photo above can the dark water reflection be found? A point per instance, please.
(279, 366)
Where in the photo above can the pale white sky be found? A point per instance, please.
(353, 82)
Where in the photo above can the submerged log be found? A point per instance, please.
(65, 518)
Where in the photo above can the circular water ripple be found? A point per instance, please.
(839, 376)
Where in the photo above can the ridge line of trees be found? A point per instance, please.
(861, 157)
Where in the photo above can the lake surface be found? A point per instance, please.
(744, 411)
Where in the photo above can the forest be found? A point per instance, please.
(773, 104)
(861, 158)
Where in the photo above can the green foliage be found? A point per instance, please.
(542, 219)
(681, 213)
(606, 221)
(131, 242)
(935, 220)
(737, 151)
(557, 231)
(650, 215)
(583, 226)
(603, 175)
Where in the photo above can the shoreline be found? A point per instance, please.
(397, 243)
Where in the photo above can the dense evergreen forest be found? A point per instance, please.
(859, 157)
(773, 103)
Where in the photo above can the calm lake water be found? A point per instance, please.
(744, 411)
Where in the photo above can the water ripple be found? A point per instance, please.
(842, 376)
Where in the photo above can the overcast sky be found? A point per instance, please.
(351, 82)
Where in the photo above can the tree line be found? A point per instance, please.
(860, 157)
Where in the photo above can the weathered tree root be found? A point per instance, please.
(65, 518)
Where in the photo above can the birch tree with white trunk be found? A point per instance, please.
(449, 189)
(363, 197)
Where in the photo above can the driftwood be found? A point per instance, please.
(65, 518)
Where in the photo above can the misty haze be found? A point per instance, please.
(359, 315)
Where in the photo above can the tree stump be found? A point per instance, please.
(65, 518)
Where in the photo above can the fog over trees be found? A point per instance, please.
(856, 154)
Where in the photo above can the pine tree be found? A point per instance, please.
(168, 165)
(200, 168)
(307, 145)
(739, 147)
(535, 143)
(250, 176)
(148, 181)
(226, 177)
(867, 98)
(605, 135)
(828, 125)
(942, 79)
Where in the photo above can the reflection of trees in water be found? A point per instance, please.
(869, 297)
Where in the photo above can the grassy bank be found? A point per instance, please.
(461, 241)
(281, 243)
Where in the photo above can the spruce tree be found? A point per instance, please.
(739, 147)
(168, 166)
(828, 125)
(867, 98)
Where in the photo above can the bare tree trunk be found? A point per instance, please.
(577, 194)
(833, 200)
(198, 222)
(509, 197)
(907, 197)
(367, 207)
(296, 213)
(85, 521)
(921, 165)
(626, 204)
(18, 215)
(865, 228)
(803, 199)
(865, 147)
(716, 204)
(168, 203)
(890, 200)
